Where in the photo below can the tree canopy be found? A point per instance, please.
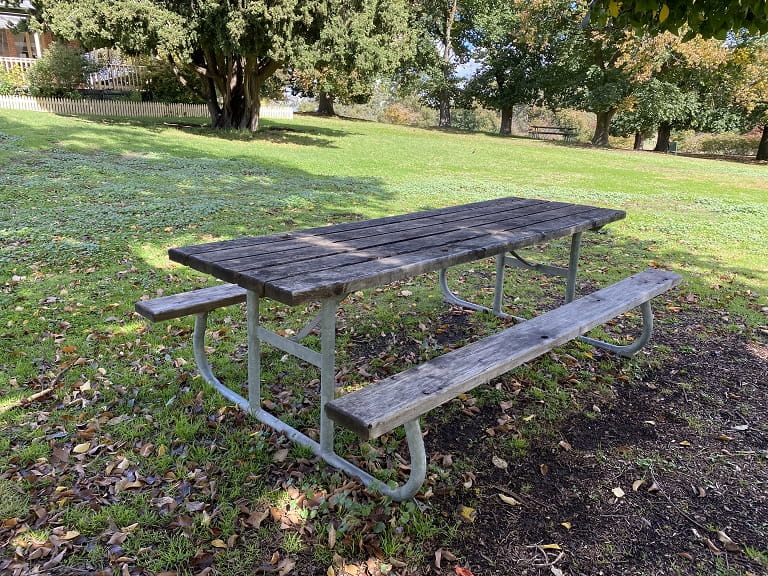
(708, 18)
(234, 46)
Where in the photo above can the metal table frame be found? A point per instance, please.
(325, 361)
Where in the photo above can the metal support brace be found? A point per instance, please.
(326, 362)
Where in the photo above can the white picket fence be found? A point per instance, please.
(126, 108)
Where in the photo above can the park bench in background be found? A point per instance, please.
(566, 132)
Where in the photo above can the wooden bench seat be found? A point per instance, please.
(386, 404)
(193, 302)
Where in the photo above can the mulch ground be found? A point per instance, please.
(671, 477)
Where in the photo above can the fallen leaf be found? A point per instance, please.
(566, 525)
(285, 566)
(636, 485)
(467, 513)
(509, 500)
(544, 469)
(550, 547)
(331, 536)
(729, 544)
(280, 455)
(565, 445)
(218, 543)
(462, 571)
(712, 548)
(618, 492)
(81, 448)
(499, 462)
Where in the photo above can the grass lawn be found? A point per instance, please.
(115, 457)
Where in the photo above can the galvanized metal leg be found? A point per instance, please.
(451, 298)
(326, 362)
(327, 372)
(633, 348)
(498, 289)
(254, 352)
(573, 268)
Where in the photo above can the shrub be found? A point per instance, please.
(13, 81)
(730, 144)
(397, 113)
(478, 119)
(162, 85)
(60, 71)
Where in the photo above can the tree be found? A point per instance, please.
(708, 18)
(233, 46)
(594, 76)
(359, 42)
(440, 47)
(514, 46)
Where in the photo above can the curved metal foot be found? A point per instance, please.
(633, 348)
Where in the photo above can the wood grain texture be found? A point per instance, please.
(386, 404)
(193, 302)
(317, 263)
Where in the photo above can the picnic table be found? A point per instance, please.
(325, 264)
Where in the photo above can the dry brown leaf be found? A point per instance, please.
(565, 445)
(509, 500)
(218, 543)
(636, 485)
(285, 566)
(280, 455)
(712, 548)
(729, 544)
(331, 536)
(499, 462)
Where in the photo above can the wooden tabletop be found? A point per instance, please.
(317, 263)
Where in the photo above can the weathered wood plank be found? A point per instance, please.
(458, 211)
(302, 245)
(314, 264)
(384, 405)
(376, 272)
(193, 302)
(281, 263)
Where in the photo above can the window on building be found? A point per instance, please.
(5, 43)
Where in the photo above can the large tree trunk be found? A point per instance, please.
(602, 128)
(639, 141)
(445, 110)
(662, 139)
(233, 89)
(762, 148)
(506, 121)
(325, 102)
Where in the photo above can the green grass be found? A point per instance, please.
(89, 209)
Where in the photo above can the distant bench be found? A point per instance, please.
(566, 132)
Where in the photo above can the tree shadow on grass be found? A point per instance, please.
(293, 132)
